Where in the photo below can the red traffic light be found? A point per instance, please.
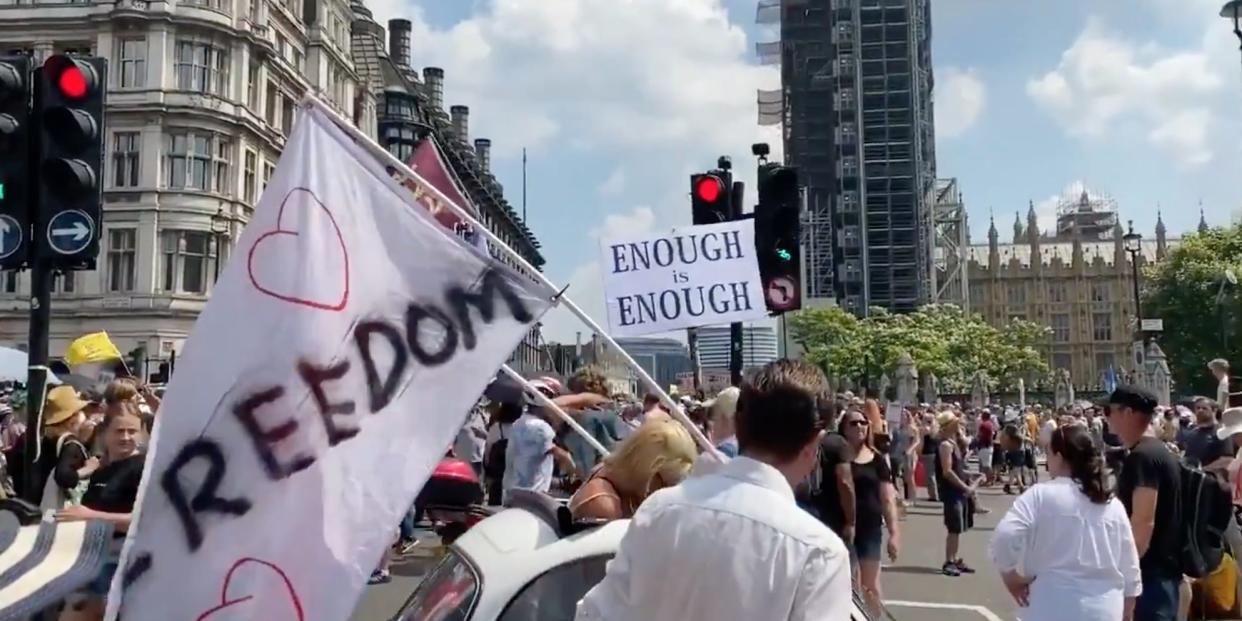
(709, 188)
(74, 80)
(72, 83)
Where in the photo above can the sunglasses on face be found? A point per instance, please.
(857, 423)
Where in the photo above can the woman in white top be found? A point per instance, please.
(1065, 550)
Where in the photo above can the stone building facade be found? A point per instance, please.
(201, 94)
(1078, 281)
(409, 112)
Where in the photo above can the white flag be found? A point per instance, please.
(337, 359)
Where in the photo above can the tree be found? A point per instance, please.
(1191, 292)
(941, 339)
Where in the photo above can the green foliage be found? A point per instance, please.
(940, 338)
(1184, 290)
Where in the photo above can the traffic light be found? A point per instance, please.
(15, 177)
(711, 197)
(777, 237)
(69, 106)
(136, 361)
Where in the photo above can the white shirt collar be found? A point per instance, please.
(757, 473)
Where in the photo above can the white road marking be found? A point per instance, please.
(980, 610)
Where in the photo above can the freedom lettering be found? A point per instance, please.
(280, 440)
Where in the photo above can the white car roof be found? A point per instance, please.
(515, 546)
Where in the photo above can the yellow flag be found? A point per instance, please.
(96, 347)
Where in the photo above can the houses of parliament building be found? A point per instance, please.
(1077, 280)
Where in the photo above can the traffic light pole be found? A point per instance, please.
(692, 340)
(735, 328)
(36, 379)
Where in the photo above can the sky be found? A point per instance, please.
(617, 102)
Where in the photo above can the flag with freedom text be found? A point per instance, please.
(339, 354)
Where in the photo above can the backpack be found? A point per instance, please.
(1207, 507)
(494, 462)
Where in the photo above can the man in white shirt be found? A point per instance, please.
(733, 544)
(529, 455)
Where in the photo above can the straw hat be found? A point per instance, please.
(62, 403)
(946, 418)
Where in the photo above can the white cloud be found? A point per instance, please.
(649, 90)
(598, 74)
(586, 284)
(1104, 82)
(614, 184)
(960, 99)
(640, 220)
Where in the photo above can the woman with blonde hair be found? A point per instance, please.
(658, 454)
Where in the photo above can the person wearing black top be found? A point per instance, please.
(1149, 485)
(834, 498)
(876, 507)
(956, 494)
(110, 496)
(927, 455)
(1201, 448)
(64, 461)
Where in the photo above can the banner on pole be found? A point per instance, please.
(334, 364)
(692, 276)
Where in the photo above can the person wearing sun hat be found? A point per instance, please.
(64, 461)
(956, 491)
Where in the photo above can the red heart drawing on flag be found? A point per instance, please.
(280, 244)
(237, 606)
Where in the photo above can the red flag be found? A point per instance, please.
(426, 161)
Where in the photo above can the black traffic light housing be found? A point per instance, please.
(70, 95)
(778, 237)
(711, 197)
(16, 180)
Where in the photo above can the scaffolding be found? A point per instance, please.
(950, 271)
(807, 114)
(1086, 214)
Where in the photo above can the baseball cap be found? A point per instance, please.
(549, 389)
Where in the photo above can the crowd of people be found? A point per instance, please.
(819, 482)
(850, 466)
(88, 467)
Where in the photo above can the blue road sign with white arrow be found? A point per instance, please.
(10, 236)
(70, 232)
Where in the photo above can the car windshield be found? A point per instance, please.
(448, 593)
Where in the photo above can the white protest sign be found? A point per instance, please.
(330, 372)
(692, 276)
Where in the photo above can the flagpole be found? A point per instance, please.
(523, 185)
(365, 141)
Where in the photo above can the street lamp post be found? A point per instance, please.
(1133, 244)
(1227, 278)
(219, 229)
(1232, 11)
